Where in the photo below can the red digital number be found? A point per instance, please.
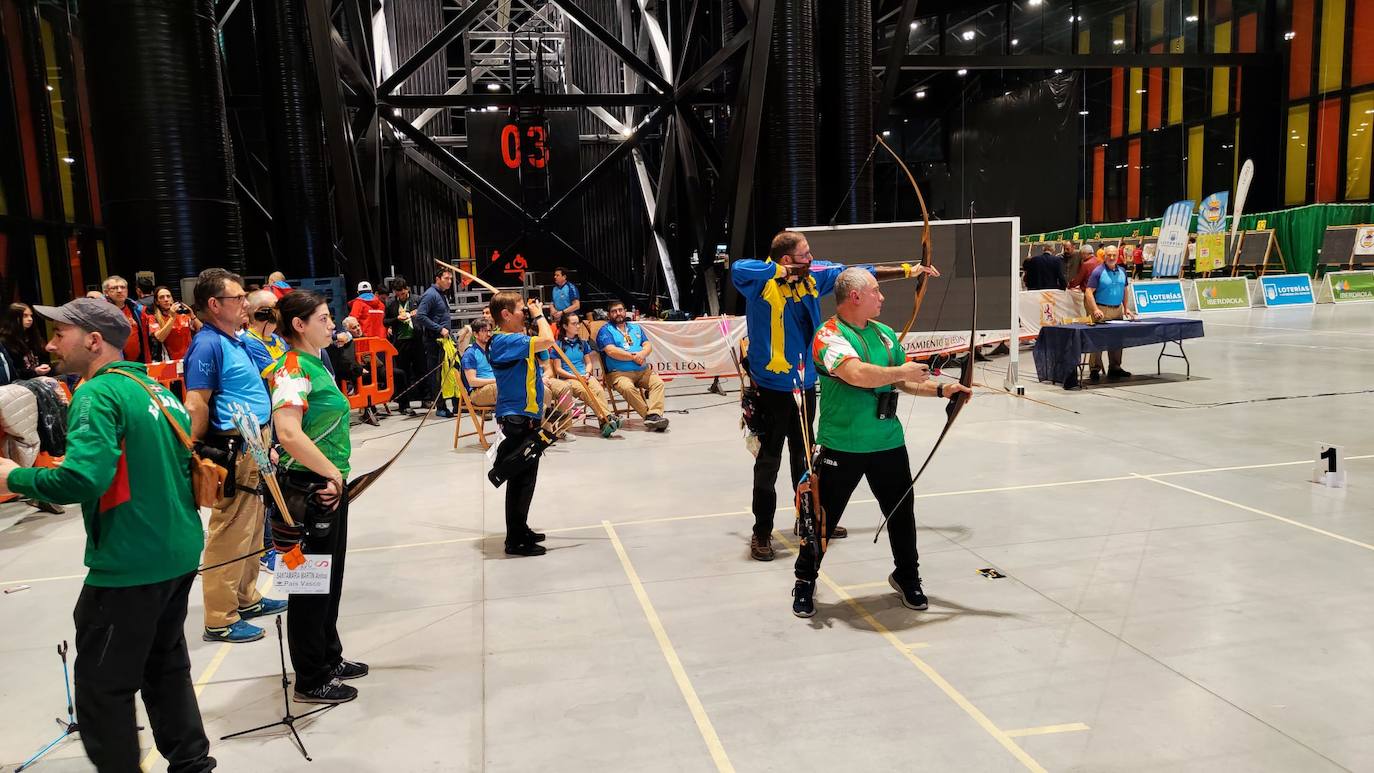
(540, 158)
(510, 146)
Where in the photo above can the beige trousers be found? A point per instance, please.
(629, 382)
(593, 396)
(235, 530)
(1113, 356)
(483, 396)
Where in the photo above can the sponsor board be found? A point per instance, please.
(1350, 286)
(1162, 297)
(1286, 290)
(1225, 293)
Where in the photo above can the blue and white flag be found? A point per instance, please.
(1173, 238)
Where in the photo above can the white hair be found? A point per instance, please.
(852, 280)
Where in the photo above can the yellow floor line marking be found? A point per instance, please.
(1257, 511)
(669, 519)
(708, 732)
(205, 676)
(1072, 727)
(866, 585)
(930, 673)
(917, 645)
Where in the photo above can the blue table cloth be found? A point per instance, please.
(1059, 348)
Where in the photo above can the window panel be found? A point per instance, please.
(1137, 98)
(1333, 45)
(1362, 56)
(1221, 76)
(1196, 136)
(1295, 165)
(1357, 146)
(1300, 49)
(1328, 148)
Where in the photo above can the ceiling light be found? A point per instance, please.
(1140, 91)
(1060, 71)
(49, 88)
(1014, 41)
(68, 160)
(921, 94)
(1082, 112)
(968, 34)
(493, 87)
(1289, 35)
(887, 133)
(1190, 19)
(962, 72)
(915, 24)
(1118, 42)
(1034, 3)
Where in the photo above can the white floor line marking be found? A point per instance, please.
(930, 673)
(1257, 511)
(216, 660)
(669, 519)
(1072, 727)
(689, 694)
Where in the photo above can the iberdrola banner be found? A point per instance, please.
(1211, 233)
(1173, 238)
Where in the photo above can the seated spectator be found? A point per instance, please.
(625, 353)
(172, 324)
(23, 343)
(1044, 271)
(478, 378)
(593, 395)
(369, 311)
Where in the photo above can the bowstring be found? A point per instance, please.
(854, 184)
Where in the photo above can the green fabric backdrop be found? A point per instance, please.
(1299, 230)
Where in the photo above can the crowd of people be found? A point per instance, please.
(257, 377)
(1102, 276)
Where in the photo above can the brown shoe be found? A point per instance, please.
(761, 548)
(839, 533)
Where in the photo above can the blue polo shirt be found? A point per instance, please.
(475, 359)
(519, 381)
(782, 318)
(631, 340)
(577, 351)
(1109, 287)
(565, 295)
(221, 363)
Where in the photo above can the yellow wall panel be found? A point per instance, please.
(59, 119)
(1357, 157)
(1137, 86)
(1221, 76)
(40, 251)
(1084, 41)
(1333, 45)
(1156, 29)
(1195, 163)
(1176, 86)
(1295, 165)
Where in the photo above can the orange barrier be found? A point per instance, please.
(366, 391)
(169, 374)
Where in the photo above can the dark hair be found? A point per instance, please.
(615, 302)
(561, 270)
(211, 283)
(441, 271)
(145, 284)
(784, 243)
(300, 304)
(398, 284)
(503, 301)
(17, 340)
(479, 324)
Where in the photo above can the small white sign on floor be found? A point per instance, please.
(310, 577)
(1330, 467)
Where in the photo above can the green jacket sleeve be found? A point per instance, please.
(92, 454)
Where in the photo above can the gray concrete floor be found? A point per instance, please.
(1178, 595)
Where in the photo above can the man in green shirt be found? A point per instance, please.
(131, 474)
(862, 367)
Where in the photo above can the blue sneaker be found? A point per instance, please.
(239, 632)
(443, 413)
(268, 561)
(263, 608)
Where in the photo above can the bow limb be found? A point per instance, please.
(473, 277)
(920, 291)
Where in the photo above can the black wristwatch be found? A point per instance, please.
(940, 391)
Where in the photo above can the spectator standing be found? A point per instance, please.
(260, 337)
(432, 318)
(221, 377)
(23, 342)
(171, 323)
(565, 297)
(137, 348)
(369, 310)
(409, 351)
(1045, 272)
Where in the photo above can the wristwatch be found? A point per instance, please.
(940, 391)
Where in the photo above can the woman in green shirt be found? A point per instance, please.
(310, 416)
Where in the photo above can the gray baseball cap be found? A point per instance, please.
(93, 316)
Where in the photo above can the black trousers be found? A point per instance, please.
(132, 640)
(889, 475)
(312, 620)
(410, 368)
(434, 354)
(520, 488)
(781, 422)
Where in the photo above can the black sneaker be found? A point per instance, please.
(911, 596)
(656, 422)
(534, 536)
(804, 598)
(347, 669)
(332, 692)
(1095, 376)
(526, 549)
(1116, 373)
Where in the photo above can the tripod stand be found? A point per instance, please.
(69, 727)
(288, 719)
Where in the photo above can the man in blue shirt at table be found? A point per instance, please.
(566, 299)
(624, 355)
(1104, 296)
(782, 309)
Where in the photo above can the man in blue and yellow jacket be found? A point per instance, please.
(783, 310)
